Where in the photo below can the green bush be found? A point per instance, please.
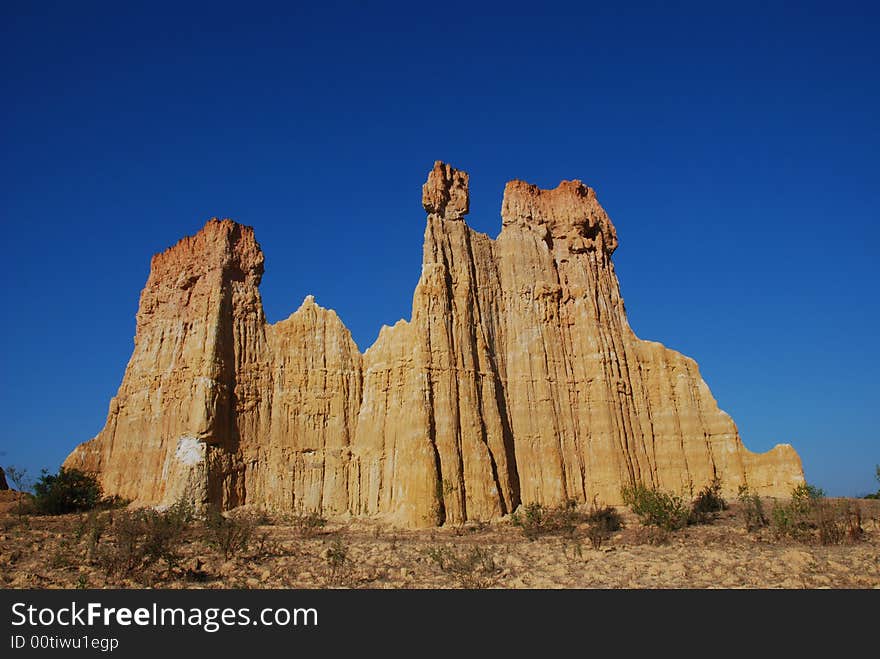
(532, 520)
(535, 520)
(602, 522)
(68, 491)
(565, 517)
(605, 516)
(654, 507)
(794, 519)
(751, 509)
(707, 503)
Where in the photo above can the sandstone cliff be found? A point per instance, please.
(517, 379)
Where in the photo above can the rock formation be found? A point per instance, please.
(517, 380)
(3, 484)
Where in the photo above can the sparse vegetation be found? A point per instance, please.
(142, 538)
(794, 519)
(654, 507)
(838, 523)
(602, 523)
(125, 553)
(231, 534)
(810, 517)
(338, 560)
(651, 535)
(165, 531)
(751, 509)
(531, 519)
(173, 548)
(309, 524)
(91, 528)
(474, 567)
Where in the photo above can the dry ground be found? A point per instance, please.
(45, 552)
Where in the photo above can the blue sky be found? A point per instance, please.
(734, 147)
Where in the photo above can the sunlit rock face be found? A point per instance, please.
(516, 380)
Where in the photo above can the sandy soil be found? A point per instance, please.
(44, 552)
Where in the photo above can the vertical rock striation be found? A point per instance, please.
(517, 379)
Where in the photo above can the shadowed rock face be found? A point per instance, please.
(517, 379)
(3, 484)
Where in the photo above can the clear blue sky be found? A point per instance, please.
(735, 149)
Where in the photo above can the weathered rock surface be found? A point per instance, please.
(517, 379)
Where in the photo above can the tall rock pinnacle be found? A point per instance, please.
(445, 193)
(516, 380)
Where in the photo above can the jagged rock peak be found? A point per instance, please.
(445, 193)
(570, 212)
(221, 243)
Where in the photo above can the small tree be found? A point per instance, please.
(22, 482)
(68, 491)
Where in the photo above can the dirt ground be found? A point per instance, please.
(53, 552)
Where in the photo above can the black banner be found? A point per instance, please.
(225, 622)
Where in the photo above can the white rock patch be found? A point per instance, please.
(190, 451)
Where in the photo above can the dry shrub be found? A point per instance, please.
(339, 564)
(809, 517)
(707, 503)
(309, 524)
(471, 568)
(651, 535)
(141, 539)
(230, 534)
(602, 523)
(838, 524)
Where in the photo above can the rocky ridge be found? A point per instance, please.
(516, 380)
